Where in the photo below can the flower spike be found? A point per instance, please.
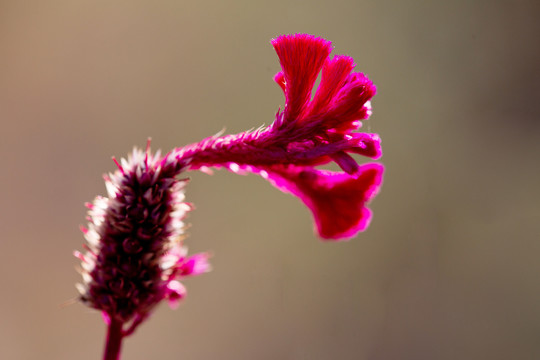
(134, 236)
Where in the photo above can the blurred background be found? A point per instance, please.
(449, 266)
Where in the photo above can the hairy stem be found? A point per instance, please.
(114, 340)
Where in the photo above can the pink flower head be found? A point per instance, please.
(324, 123)
(135, 255)
(309, 132)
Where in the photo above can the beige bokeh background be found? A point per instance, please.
(449, 267)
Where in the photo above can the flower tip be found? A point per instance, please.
(338, 201)
(79, 255)
(330, 234)
(194, 265)
(367, 145)
(176, 292)
(299, 37)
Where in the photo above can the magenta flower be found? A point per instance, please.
(309, 132)
(135, 256)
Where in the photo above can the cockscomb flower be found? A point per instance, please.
(135, 256)
(309, 132)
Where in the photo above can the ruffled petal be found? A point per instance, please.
(302, 57)
(337, 200)
(351, 103)
(333, 77)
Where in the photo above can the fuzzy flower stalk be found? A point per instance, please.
(135, 256)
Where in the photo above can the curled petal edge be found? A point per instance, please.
(337, 200)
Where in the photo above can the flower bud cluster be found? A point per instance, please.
(135, 255)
